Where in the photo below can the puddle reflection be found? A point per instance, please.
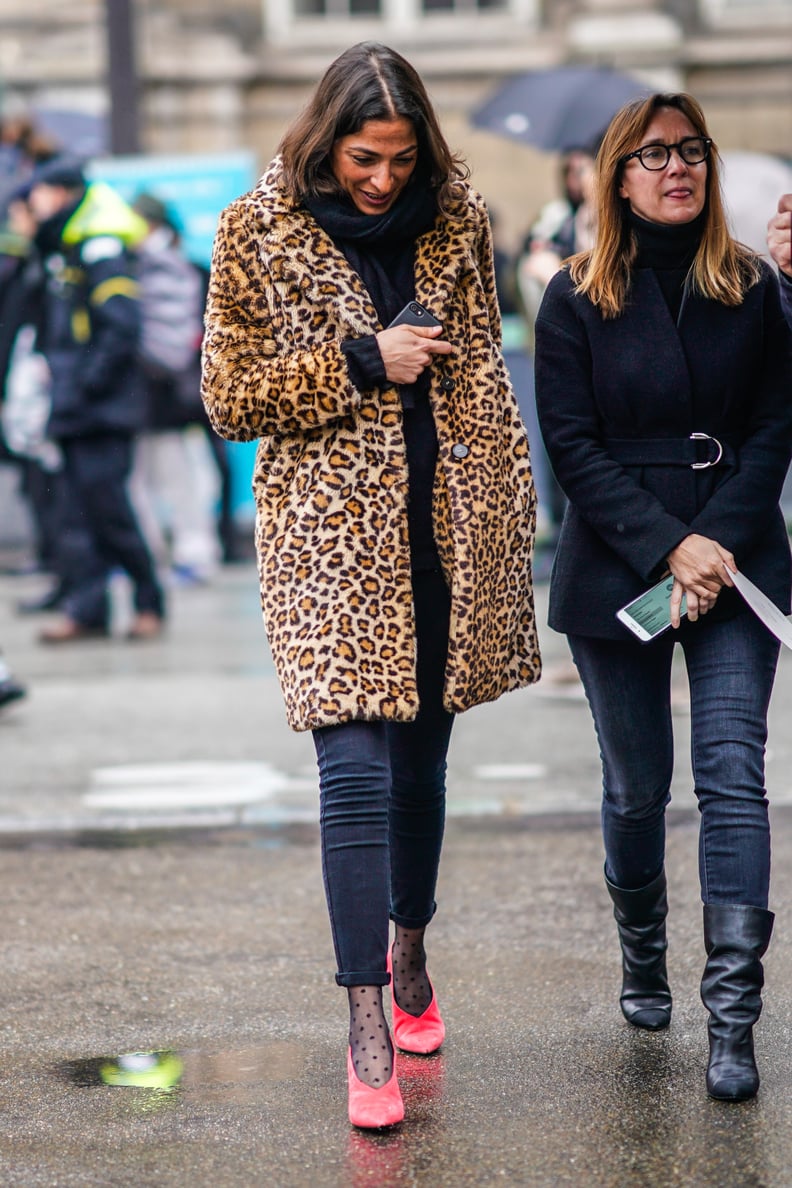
(421, 1078)
(161, 1071)
(373, 1158)
(165, 1071)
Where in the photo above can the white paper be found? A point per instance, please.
(765, 610)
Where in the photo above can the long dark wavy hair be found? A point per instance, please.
(369, 81)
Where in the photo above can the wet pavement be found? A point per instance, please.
(164, 923)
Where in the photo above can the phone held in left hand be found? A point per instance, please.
(649, 615)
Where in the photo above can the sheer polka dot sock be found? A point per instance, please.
(411, 987)
(369, 1038)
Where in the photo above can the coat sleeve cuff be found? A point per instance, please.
(364, 362)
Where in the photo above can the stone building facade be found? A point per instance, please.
(222, 77)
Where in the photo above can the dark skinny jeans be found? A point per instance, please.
(731, 668)
(382, 807)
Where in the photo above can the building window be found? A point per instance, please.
(462, 6)
(314, 23)
(337, 9)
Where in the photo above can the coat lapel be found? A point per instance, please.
(647, 304)
(690, 344)
(305, 264)
(440, 256)
(305, 256)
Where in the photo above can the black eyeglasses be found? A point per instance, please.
(692, 150)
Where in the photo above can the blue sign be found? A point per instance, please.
(195, 189)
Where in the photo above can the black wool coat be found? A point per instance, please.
(640, 377)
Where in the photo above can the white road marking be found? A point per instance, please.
(215, 792)
(510, 771)
(181, 785)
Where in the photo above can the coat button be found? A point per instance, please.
(460, 450)
(447, 383)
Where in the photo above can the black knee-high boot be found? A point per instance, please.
(736, 938)
(641, 915)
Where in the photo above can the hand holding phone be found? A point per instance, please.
(409, 344)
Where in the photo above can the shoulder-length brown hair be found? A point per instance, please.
(369, 81)
(723, 269)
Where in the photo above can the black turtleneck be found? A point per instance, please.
(668, 249)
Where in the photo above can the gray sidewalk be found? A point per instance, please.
(191, 729)
(161, 882)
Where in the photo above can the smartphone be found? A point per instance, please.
(414, 314)
(649, 615)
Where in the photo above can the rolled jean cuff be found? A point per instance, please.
(377, 977)
(414, 921)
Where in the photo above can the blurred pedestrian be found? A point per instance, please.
(89, 336)
(563, 227)
(553, 223)
(23, 146)
(574, 230)
(175, 483)
(514, 334)
(10, 688)
(394, 499)
(25, 391)
(663, 382)
(779, 244)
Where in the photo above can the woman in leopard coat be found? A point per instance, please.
(395, 505)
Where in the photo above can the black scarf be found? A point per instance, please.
(380, 248)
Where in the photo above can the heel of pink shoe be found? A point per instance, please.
(418, 1034)
(373, 1108)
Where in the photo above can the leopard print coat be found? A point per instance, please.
(330, 479)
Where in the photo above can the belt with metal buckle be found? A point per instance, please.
(670, 451)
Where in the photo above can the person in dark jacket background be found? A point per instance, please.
(89, 336)
(25, 384)
(663, 373)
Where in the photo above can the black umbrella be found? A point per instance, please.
(560, 109)
(77, 132)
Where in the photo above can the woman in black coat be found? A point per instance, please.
(663, 379)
